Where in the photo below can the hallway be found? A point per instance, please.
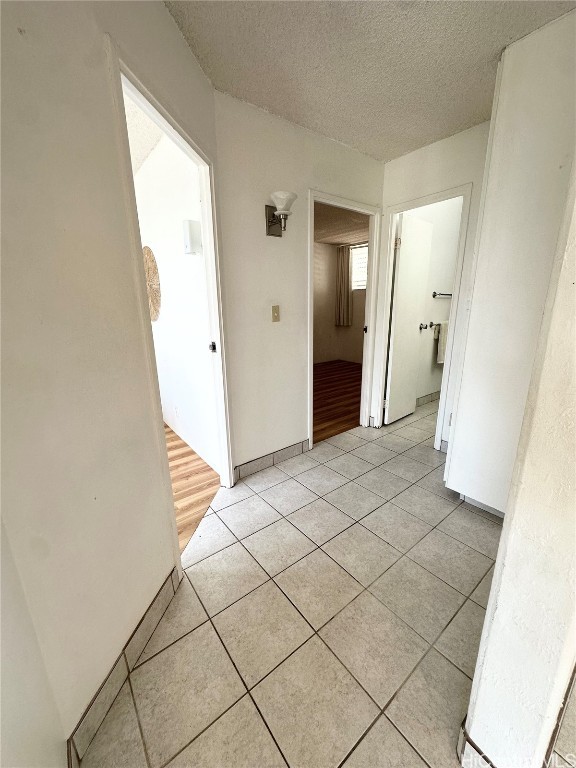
(329, 615)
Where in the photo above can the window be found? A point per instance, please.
(359, 256)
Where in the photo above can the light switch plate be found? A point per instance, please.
(276, 313)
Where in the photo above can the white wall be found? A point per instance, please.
(167, 189)
(445, 220)
(333, 342)
(528, 646)
(267, 362)
(86, 498)
(531, 156)
(442, 166)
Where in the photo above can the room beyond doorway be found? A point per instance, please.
(341, 239)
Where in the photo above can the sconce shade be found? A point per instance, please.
(283, 201)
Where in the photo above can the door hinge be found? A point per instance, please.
(397, 242)
(365, 329)
(212, 346)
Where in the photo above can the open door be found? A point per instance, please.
(411, 263)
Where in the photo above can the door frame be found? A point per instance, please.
(375, 214)
(122, 76)
(455, 331)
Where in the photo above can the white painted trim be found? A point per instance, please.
(384, 297)
(315, 196)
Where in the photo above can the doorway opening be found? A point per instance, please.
(343, 242)
(426, 264)
(174, 216)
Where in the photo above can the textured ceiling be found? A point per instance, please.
(384, 77)
(143, 133)
(339, 226)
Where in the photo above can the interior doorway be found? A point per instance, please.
(427, 242)
(174, 213)
(342, 247)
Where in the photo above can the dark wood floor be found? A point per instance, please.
(337, 387)
(194, 485)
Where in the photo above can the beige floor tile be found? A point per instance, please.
(396, 526)
(419, 598)
(278, 546)
(288, 496)
(460, 640)
(314, 707)
(260, 631)
(434, 482)
(225, 577)
(384, 747)
(394, 442)
(354, 500)
(482, 591)
(427, 455)
(414, 433)
(364, 433)
(363, 554)
(374, 454)
(320, 521)
(182, 690)
(383, 483)
(318, 587)
(266, 478)
(407, 468)
(238, 739)
(298, 464)
(375, 645)
(424, 504)
(211, 536)
(430, 707)
(183, 615)
(350, 466)
(346, 441)
(472, 529)
(118, 743)
(227, 496)
(248, 516)
(324, 452)
(321, 479)
(451, 561)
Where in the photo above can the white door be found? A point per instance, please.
(174, 221)
(410, 281)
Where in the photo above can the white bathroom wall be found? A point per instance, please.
(333, 342)
(87, 503)
(267, 362)
(435, 169)
(531, 156)
(167, 189)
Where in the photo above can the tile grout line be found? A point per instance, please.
(141, 730)
(242, 681)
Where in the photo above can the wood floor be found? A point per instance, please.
(337, 387)
(194, 485)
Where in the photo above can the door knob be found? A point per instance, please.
(423, 327)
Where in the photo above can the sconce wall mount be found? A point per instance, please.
(277, 214)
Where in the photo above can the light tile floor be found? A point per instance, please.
(330, 615)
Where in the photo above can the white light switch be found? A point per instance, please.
(276, 313)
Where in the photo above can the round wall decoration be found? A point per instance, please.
(152, 282)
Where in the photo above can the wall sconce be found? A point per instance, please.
(277, 214)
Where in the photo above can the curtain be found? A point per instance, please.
(343, 286)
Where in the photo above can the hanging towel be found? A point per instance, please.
(442, 336)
